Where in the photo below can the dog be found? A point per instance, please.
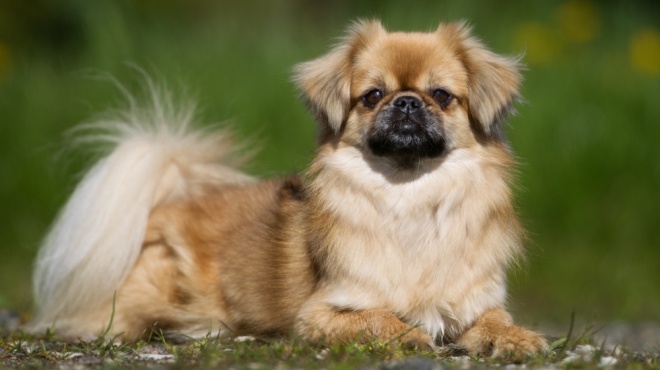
(402, 229)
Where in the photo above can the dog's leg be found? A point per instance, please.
(494, 333)
(320, 322)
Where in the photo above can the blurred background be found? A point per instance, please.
(587, 135)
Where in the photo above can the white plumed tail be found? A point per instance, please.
(97, 237)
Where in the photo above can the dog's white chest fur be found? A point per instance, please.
(419, 247)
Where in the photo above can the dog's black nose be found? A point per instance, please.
(407, 103)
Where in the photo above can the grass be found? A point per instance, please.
(586, 135)
(22, 351)
(577, 350)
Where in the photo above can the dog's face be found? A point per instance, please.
(409, 96)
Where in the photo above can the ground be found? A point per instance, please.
(614, 346)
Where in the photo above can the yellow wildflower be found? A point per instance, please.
(645, 51)
(579, 20)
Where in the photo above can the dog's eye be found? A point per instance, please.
(372, 97)
(442, 97)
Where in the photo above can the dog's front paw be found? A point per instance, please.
(517, 342)
(416, 339)
(494, 334)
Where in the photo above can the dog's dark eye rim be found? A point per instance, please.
(372, 97)
(442, 97)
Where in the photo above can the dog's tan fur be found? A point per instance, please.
(359, 247)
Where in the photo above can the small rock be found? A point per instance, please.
(68, 355)
(607, 361)
(571, 357)
(322, 355)
(156, 357)
(244, 338)
(583, 352)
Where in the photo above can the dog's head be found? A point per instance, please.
(409, 96)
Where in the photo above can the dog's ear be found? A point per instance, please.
(325, 82)
(494, 80)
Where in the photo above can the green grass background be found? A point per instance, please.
(587, 135)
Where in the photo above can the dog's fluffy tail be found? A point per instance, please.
(154, 158)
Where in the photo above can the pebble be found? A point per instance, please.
(322, 355)
(67, 355)
(244, 338)
(607, 361)
(586, 353)
(583, 352)
(156, 357)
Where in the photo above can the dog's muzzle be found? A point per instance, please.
(405, 128)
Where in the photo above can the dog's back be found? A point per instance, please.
(97, 239)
